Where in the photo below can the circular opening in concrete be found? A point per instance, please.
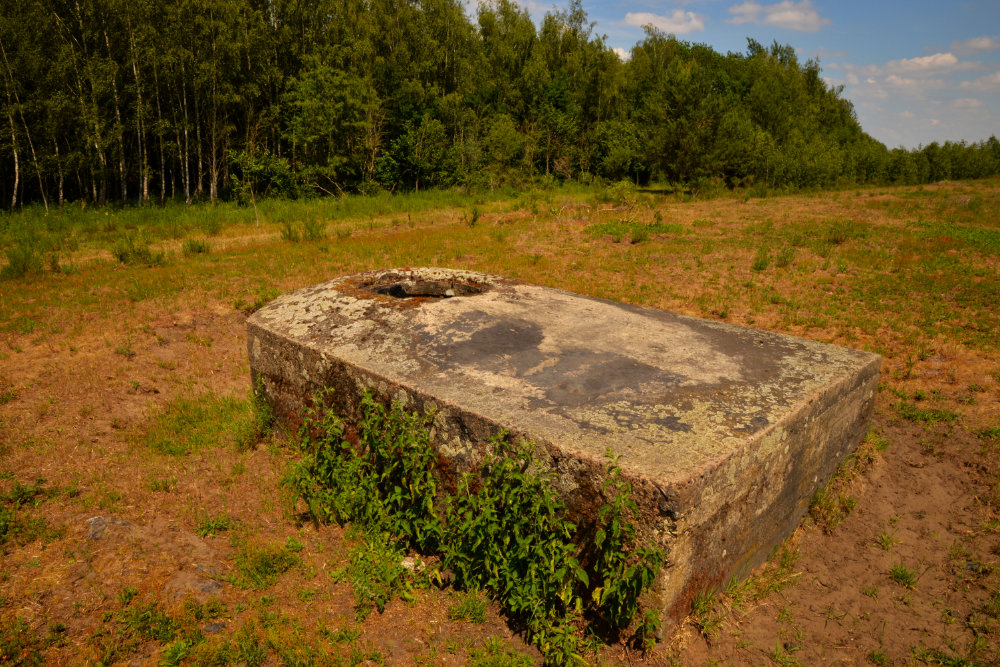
(437, 289)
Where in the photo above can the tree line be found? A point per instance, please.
(143, 101)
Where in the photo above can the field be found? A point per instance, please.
(142, 516)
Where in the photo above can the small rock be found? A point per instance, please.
(412, 564)
(96, 525)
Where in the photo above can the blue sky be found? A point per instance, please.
(916, 71)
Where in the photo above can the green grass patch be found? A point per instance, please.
(19, 646)
(186, 425)
(259, 566)
(134, 250)
(196, 247)
(470, 606)
(18, 522)
(635, 232)
(914, 413)
(209, 527)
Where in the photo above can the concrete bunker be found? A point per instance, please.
(725, 432)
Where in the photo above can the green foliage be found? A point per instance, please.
(510, 536)
(621, 574)
(829, 507)
(16, 521)
(704, 615)
(255, 302)
(258, 173)
(761, 260)
(23, 256)
(504, 530)
(386, 483)
(361, 95)
(636, 232)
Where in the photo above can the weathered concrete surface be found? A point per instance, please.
(724, 431)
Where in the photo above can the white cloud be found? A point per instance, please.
(622, 54)
(990, 82)
(967, 103)
(968, 47)
(937, 61)
(908, 115)
(787, 14)
(679, 22)
(899, 81)
(935, 121)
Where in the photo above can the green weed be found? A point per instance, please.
(376, 574)
(209, 527)
(16, 522)
(761, 260)
(133, 250)
(704, 615)
(911, 412)
(196, 247)
(784, 257)
(636, 232)
(829, 508)
(470, 607)
(903, 575)
(886, 540)
(261, 297)
(164, 484)
(878, 657)
(258, 567)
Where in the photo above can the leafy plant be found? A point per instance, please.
(376, 573)
(886, 540)
(504, 530)
(510, 536)
(621, 572)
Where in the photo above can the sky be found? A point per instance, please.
(916, 71)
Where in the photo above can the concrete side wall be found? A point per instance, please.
(738, 514)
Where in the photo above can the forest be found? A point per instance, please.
(144, 101)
